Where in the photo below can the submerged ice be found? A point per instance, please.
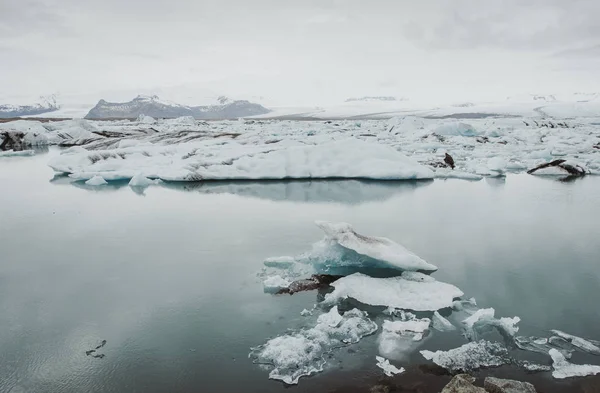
(303, 353)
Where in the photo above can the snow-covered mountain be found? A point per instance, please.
(155, 107)
(375, 98)
(46, 104)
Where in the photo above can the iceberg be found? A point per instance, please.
(349, 158)
(564, 369)
(394, 292)
(388, 369)
(274, 284)
(470, 357)
(141, 181)
(386, 251)
(303, 353)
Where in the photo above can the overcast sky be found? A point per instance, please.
(301, 52)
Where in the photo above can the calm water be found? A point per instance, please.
(168, 277)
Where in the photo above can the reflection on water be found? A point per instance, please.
(169, 280)
(314, 191)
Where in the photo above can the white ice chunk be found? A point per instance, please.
(306, 312)
(470, 357)
(394, 292)
(96, 181)
(388, 369)
(275, 283)
(484, 318)
(441, 324)
(578, 342)
(294, 355)
(564, 369)
(378, 248)
(410, 326)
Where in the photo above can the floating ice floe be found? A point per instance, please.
(484, 318)
(579, 343)
(470, 357)
(441, 324)
(394, 292)
(564, 369)
(401, 337)
(304, 353)
(96, 181)
(388, 369)
(347, 158)
(541, 345)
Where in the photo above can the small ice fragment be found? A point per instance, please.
(306, 313)
(470, 357)
(441, 324)
(96, 181)
(564, 369)
(534, 367)
(411, 326)
(388, 368)
(484, 317)
(274, 284)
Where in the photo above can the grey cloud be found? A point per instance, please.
(21, 17)
(539, 25)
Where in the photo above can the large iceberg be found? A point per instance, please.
(303, 353)
(347, 158)
(470, 357)
(396, 292)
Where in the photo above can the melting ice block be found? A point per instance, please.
(469, 357)
(394, 292)
(484, 318)
(564, 369)
(303, 353)
(388, 369)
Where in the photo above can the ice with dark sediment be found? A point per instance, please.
(471, 356)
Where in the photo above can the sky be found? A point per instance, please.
(290, 52)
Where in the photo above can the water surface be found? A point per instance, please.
(168, 275)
